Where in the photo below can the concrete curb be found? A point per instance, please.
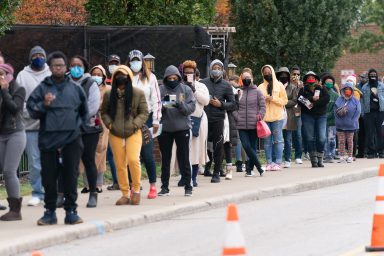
(52, 237)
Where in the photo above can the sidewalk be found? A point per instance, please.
(25, 236)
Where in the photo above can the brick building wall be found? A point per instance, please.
(360, 62)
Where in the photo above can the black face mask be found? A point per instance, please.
(268, 78)
(172, 84)
(284, 80)
(372, 79)
(246, 82)
(121, 80)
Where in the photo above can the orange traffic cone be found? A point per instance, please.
(36, 253)
(234, 241)
(377, 241)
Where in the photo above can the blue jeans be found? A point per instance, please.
(274, 144)
(314, 129)
(330, 143)
(287, 145)
(298, 139)
(249, 142)
(147, 155)
(34, 164)
(238, 150)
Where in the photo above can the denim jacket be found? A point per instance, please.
(365, 101)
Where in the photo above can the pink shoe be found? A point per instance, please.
(276, 167)
(152, 192)
(268, 167)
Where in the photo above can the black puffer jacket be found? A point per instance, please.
(320, 106)
(11, 107)
(222, 90)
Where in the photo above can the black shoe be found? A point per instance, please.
(163, 192)
(215, 178)
(60, 200)
(49, 218)
(207, 173)
(188, 192)
(92, 201)
(194, 183)
(261, 171)
(181, 183)
(222, 173)
(239, 166)
(84, 191)
(71, 218)
(207, 169)
(114, 186)
(99, 190)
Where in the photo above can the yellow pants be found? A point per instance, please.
(126, 152)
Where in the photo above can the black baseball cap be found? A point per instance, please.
(113, 57)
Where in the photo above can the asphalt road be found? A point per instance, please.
(331, 221)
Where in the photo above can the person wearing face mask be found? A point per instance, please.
(12, 138)
(79, 75)
(373, 110)
(251, 109)
(292, 90)
(276, 99)
(29, 78)
(363, 79)
(198, 149)
(347, 111)
(328, 81)
(98, 74)
(313, 99)
(145, 80)
(124, 111)
(178, 104)
(222, 100)
(112, 63)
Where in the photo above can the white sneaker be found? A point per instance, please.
(287, 164)
(349, 159)
(342, 160)
(299, 161)
(201, 170)
(34, 201)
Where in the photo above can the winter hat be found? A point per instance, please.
(102, 70)
(135, 54)
(35, 50)
(327, 76)
(282, 70)
(8, 69)
(347, 85)
(353, 79)
(216, 62)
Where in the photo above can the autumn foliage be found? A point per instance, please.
(222, 12)
(51, 12)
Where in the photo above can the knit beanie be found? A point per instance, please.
(35, 50)
(216, 62)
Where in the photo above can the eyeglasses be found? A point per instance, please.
(58, 65)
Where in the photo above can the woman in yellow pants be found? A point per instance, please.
(124, 111)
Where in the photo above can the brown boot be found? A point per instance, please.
(14, 210)
(123, 201)
(135, 200)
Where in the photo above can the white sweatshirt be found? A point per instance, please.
(30, 79)
(152, 95)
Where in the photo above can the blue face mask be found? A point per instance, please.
(76, 71)
(38, 63)
(98, 79)
(136, 65)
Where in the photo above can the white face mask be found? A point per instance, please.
(136, 65)
(112, 68)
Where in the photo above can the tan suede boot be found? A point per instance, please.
(135, 200)
(123, 201)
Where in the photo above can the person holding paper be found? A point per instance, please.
(313, 99)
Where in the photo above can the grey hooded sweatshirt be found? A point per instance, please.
(177, 117)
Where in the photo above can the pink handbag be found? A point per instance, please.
(262, 129)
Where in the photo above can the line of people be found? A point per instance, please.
(69, 117)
